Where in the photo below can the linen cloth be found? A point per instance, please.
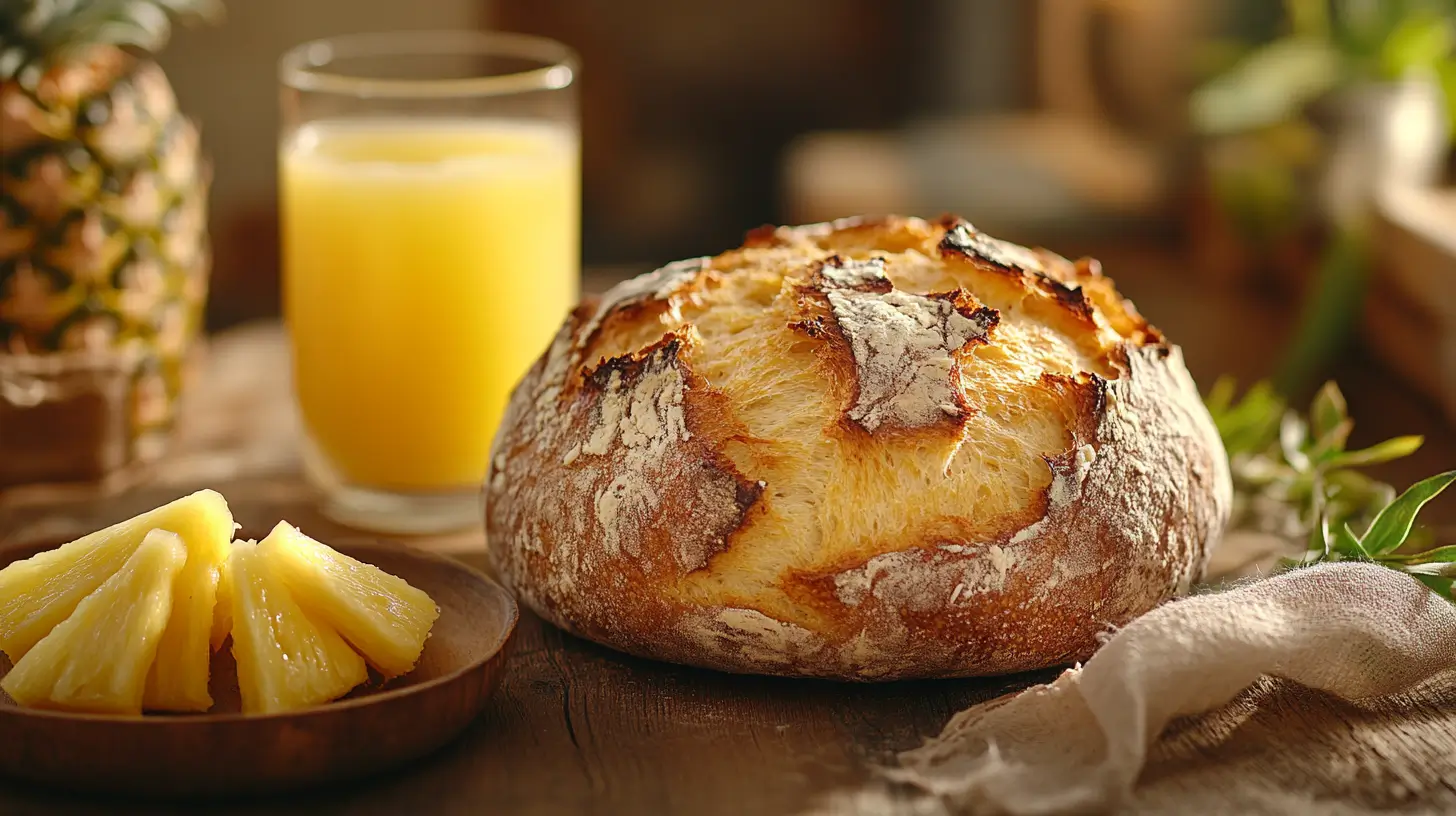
(1335, 682)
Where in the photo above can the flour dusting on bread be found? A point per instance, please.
(904, 345)
(868, 449)
(926, 580)
(867, 275)
(644, 418)
(748, 634)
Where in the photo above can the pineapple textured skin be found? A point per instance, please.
(97, 660)
(103, 219)
(104, 255)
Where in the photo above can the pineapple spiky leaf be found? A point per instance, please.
(38, 34)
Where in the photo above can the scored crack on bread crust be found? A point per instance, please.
(869, 450)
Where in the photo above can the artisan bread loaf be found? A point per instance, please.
(867, 450)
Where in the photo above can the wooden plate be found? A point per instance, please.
(226, 753)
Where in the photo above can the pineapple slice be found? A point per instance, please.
(222, 612)
(382, 616)
(38, 593)
(97, 659)
(286, 661)
(179, 676)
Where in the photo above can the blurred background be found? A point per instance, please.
(1286, 159)
(1271, 181)
(704, 119)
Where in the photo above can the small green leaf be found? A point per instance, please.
(1308, 559)
(1397, 448)
(1445, 569)
(1440, 555)
(1330, 423)
(1347, 544)
(1390, 528)
(1328, 410)
(1251, 424)
(1333, 442)
(1319, 536)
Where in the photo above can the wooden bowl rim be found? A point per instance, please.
(348, 546)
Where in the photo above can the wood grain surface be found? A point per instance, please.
(576, 728)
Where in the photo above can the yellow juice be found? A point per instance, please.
(427, 265)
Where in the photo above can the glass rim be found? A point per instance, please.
(304, 67)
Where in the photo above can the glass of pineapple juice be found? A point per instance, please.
(430, 197)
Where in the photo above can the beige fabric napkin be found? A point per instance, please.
(1355, 632)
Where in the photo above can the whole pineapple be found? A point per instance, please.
(103, 197)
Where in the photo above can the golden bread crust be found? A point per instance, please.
(867, 450)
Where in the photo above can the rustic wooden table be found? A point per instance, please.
(576, 728)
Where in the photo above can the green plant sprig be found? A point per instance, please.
(1293, 476)
(1329, 44)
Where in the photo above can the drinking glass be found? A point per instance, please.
(430, 198)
